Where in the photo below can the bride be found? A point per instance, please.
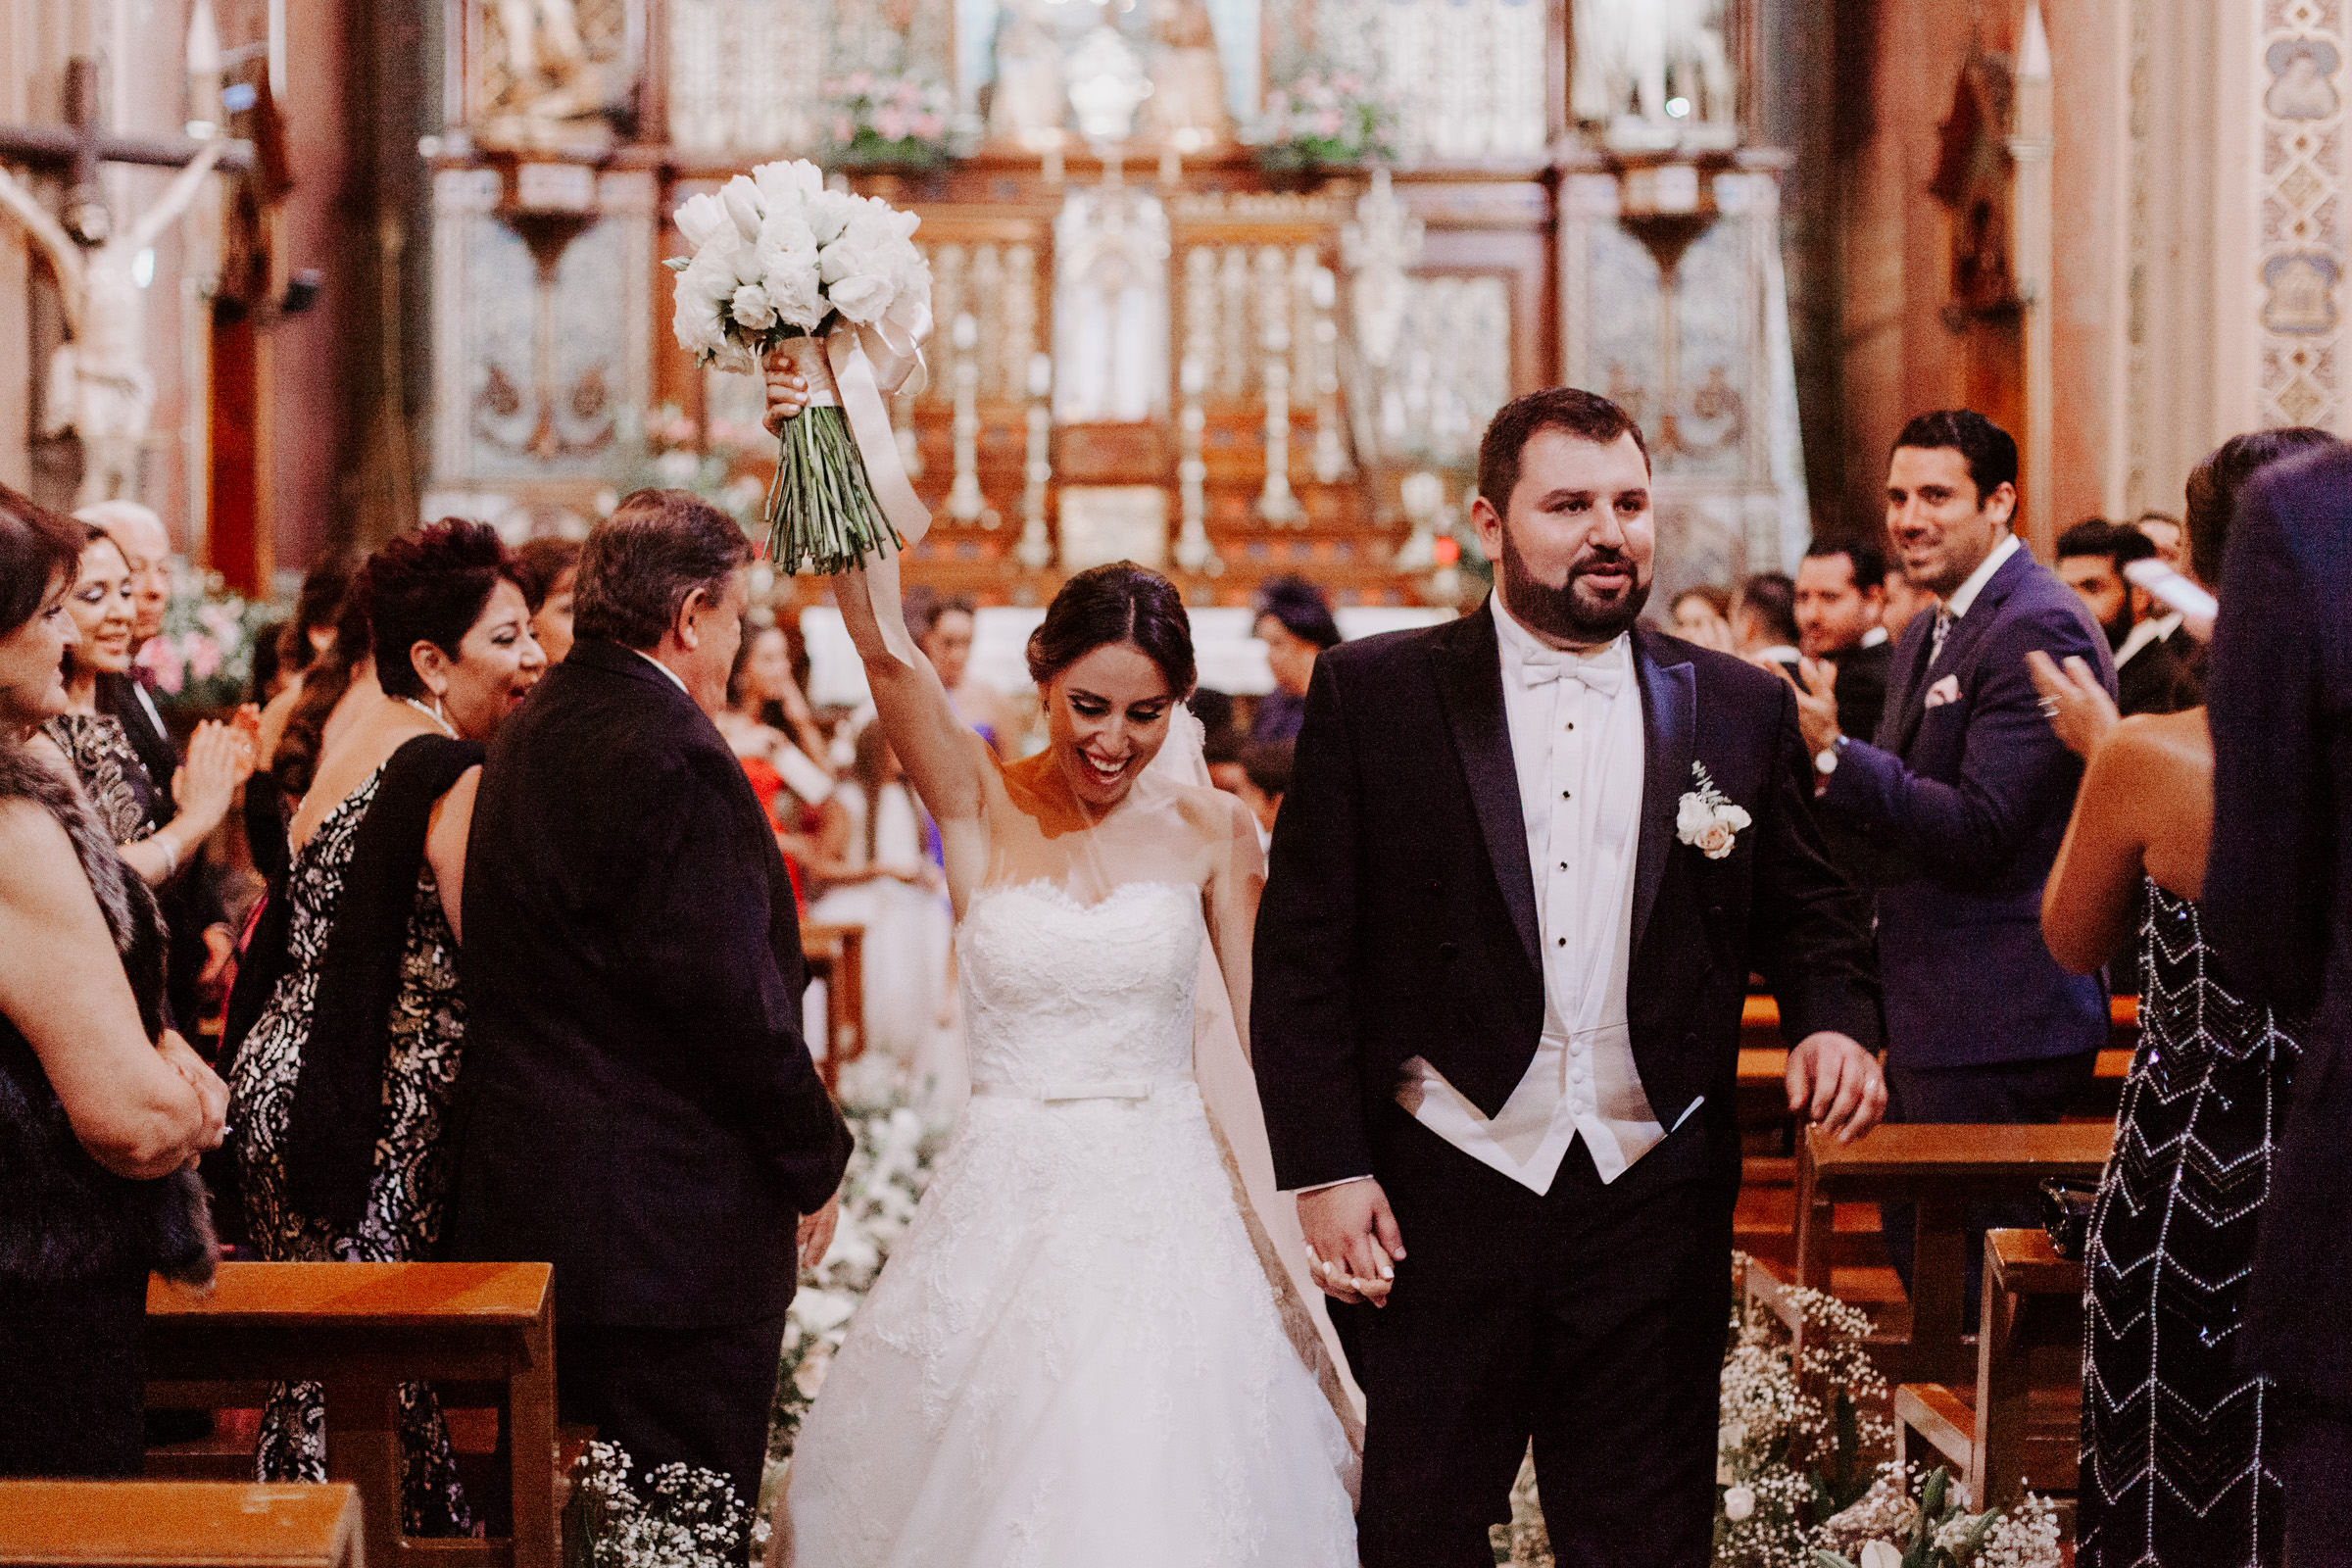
(1081, 1352)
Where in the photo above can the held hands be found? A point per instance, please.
(1352, 1241)
(815, 1234)
(2078, 706)
(211, 1095)
(787, 390)
(1836, 1085)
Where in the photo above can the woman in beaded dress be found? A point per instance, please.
(94, 747)
(2176, 1467)
(347, 1023)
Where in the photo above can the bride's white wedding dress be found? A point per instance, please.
(1075, 1357)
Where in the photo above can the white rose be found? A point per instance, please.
(751, 308)
(1691, 817)
(787, 186)
(706, 281)
(741, 198)
(1731, 1437)
(1714, 841)
(1880, 1554)
(863, 299)
(1738, 1503)
(829, 212)
(787, 262)
(699, 219)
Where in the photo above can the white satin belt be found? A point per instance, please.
(1057, 1093)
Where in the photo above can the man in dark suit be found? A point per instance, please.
(2278, 903)
(1840, 606)
(639, 1107)
(2148, 676)
(1960, 807)
(1525, 865)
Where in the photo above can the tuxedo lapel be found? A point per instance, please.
(1470, 685)
(1669, 732)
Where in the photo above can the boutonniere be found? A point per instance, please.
(1705, 821)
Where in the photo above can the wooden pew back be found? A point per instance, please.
(174, 1523)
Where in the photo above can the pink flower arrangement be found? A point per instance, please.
(160, 659)
(890, 120)
(1316, 120)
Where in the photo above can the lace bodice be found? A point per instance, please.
(1060, 995)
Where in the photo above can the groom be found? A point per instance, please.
(1526, 864)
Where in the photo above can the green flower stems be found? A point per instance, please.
(821, 513)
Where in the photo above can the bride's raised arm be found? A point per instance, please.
(946, 761)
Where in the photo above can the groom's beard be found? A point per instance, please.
(1572, 612)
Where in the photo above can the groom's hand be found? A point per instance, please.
(1351, 1239)
(1836, 1084)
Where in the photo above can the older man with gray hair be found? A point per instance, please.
(639, 1106)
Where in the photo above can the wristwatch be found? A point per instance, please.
(1825, 760)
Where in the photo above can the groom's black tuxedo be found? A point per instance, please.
(1400, 920)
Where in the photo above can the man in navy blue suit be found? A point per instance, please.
(2278, 902)
(1959, 807)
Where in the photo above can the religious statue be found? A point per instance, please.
(1187, 78)
(99, 385)
(1027, 98)
(552, 75)
(1626, 50)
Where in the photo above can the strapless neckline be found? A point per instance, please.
(1055, 893)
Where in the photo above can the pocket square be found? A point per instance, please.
(1946, 690)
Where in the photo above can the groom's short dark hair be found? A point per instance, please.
(1586, 416)
(641, 563)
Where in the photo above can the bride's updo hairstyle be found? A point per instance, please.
(1121, 602)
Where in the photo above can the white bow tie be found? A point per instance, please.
(1601, 679)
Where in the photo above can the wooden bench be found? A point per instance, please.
(1942, 1171)
(180, 1524)
(482, 1333)
(2028, 1354)
(836, 955)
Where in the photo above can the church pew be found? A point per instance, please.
(482, 1333)
(179, 1524)
(836, 955)
(2024, 1416)
(1942, 1170)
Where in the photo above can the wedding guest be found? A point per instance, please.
(791, 784)
(94, 748)
(2090, 558)
(872, 861)
(1704, 615)
(1294, 622)
(308, 638)
(1906, 602)
(2179, 1452)
(2277, 909)
(640, 1108)
(942, 627)
(339, 684)
(342, 1081)
(2187, 647)
(1764, 620)
(2164, 533)
(1960, 806)
(1840, 601)
(551, 570)
(103, 1111)
(304, 646)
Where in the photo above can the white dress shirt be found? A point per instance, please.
(2144, 633)
(675, 679)
(1577, 739)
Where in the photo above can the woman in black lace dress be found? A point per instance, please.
(94, 744)
(2177, 1463)
(342, 1078)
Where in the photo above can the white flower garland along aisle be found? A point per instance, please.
(1802, 1470)
(835, 280)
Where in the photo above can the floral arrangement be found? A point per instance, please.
(1321, 119)
(782, 262)
(681, 1518)
(889, 1169)
(659, 451)
(1802, 1467)
(1705, 819)
(203, 658)
(889, 120)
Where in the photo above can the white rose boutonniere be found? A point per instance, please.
(1705, 821)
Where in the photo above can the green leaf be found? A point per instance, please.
(1931, 1495)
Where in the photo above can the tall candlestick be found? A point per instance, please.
(1331, 462)
(965, 503)
(1035, 549)
(1275, 503)
(1192, 550)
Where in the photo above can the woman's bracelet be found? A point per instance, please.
(170, 851)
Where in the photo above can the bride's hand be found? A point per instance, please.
(787, 390)
(816, 1235)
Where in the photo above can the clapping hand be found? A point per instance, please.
(1816, 686)
(2074, 701)
(1352, 1243)
(1836, 1085)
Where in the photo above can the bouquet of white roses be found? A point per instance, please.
(834, 280)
